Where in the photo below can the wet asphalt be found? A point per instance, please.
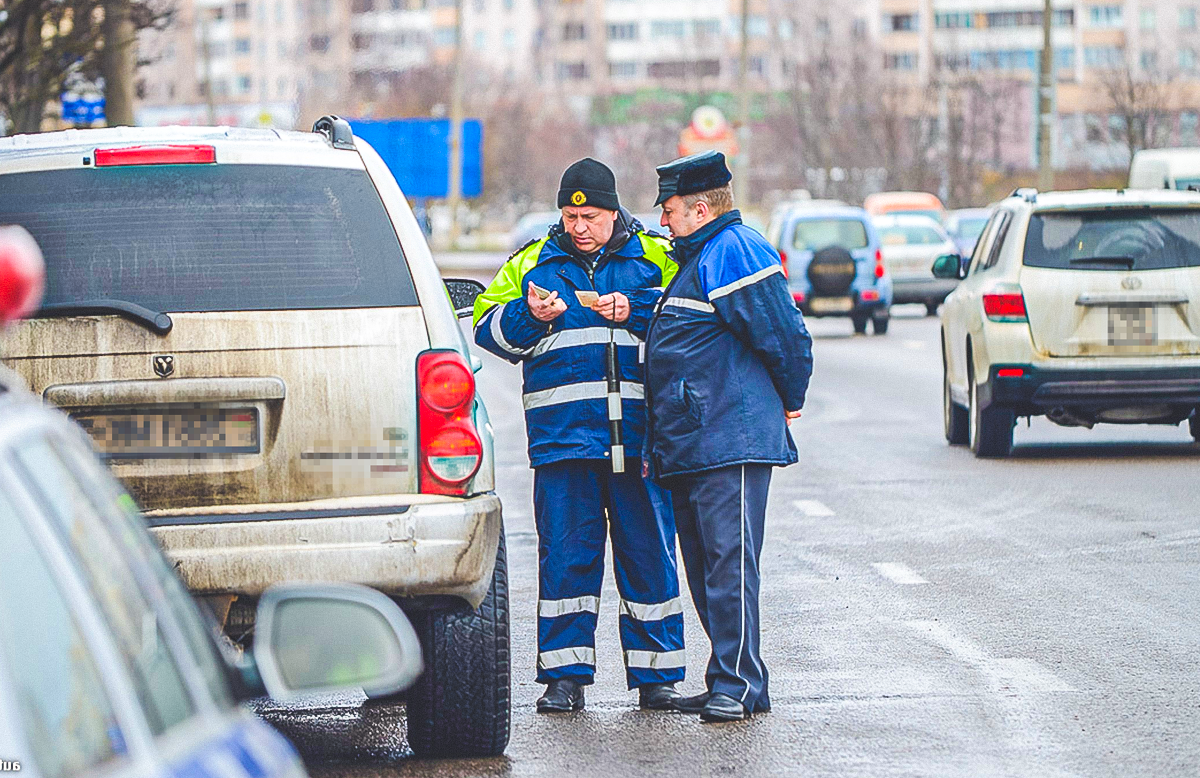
(925, 613)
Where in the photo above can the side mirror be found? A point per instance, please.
(321, 638)
(463, 292)
(949, 266)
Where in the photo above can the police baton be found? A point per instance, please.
(612, 372)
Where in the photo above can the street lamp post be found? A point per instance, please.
(1045, 124)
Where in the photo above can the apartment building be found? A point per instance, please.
(1096, 43)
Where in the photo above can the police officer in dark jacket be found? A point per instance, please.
(728, 362)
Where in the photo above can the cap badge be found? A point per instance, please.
(579, 198)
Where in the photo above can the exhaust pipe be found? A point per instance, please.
(1065, 418)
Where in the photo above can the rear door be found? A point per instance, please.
(1119, 282)
(288, 371)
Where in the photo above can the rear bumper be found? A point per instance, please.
(433, 546)
(1039, 390)
(930, 290)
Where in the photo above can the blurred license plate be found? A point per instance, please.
(831, 305)
(173, 433)
(1132, 325)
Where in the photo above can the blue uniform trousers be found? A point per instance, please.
(720, 515)
(576, 504)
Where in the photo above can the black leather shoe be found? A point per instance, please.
(562, 696)
(692, 704)
(658, 696)
(722, 707)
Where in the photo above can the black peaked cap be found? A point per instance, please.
(692, 174)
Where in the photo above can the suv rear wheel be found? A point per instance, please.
(859, 321)
(955, 420)
(879, 323)
(461, 706)
(991, 429)
(1194, 425)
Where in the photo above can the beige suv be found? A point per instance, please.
(251, 327)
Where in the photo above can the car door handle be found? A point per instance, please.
(1125, 298)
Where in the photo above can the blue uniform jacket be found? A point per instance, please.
(727, 353)
(565, 394)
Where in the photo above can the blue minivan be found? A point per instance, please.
(834, 263)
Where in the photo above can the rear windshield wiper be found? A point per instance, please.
(156, 322)
(1126, 261)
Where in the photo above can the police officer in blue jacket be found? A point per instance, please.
(531, 314)
(728, 360)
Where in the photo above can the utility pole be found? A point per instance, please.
(206, 58)
(1045, 124)
(118, 61)
(454, 196)
(742, 163)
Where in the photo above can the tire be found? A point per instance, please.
(462, 704)
(955, 421)
(1194, 425)
(860, 324)
(879, 324)
(990, 429)
(931, 309)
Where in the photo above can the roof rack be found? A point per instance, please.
(1027, 193)
(336, 130)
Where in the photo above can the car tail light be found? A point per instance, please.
(22, 274)
(1010, 372)
(783, 261)
(451, 449)
(798, 297)
(175, 154)
(1005, 305)
(869, 296)
(879, 268)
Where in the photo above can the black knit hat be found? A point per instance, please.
(588, 182)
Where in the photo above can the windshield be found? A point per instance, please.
(910, 235)
(1144, 239)
(1184, 184)
(816, 234)
(178, 238)
(970, 229)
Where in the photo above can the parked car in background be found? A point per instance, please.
(965, 226)
(107, 665)
(905, 204)
(251, 328)
(910, 245)
(1165, 169)
(1083, 307)
(834, 265)
(531, 227)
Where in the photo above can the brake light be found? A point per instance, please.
(175, 154)
(451, 449)
(798, 297)
(1010, 372)
(783, 261)
(869, 296)
(879, 268)
(1005, 306)
(22, 274)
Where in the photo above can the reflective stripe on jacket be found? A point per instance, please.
(727, 353)
(565, 393)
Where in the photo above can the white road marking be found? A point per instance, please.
(898, 573)
(812, 508)
(1004, 675)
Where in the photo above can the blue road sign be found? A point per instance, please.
(82, 109)
(417, 151)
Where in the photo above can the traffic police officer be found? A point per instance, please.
(728, 361)
(597, 248)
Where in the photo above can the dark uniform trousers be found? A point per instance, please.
(720, 516)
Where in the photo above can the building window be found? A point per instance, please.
(1101, 56)
(1149, 60)
(623, 32)
(572, 71)
(510, 39)
(1187, 60)
(684, 69)
(668, 29)
(508, 5)
(903, 61)
(758, 27)
(241, 10)
(573, 31)
(319, 43)
(858, 29)
(443, 36)
(281, 87)
(480, 39)
(821, 27)
(707, 28)
(1105, 15)
(1187, 17)
(1147, 19)
(1188, 122)
(757, 65)
(954, 20)
(241, 46)
(899, 22)
(622, 69)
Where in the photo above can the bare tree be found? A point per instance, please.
(1142, 100)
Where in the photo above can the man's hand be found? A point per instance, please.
(614, 307)
(791, 415)
(545, 310)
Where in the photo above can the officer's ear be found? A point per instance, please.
(702, 210)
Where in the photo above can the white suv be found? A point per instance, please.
(1080, 306)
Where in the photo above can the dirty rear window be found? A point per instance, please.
(816, 234)
(179, 238)
(1141, 239)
